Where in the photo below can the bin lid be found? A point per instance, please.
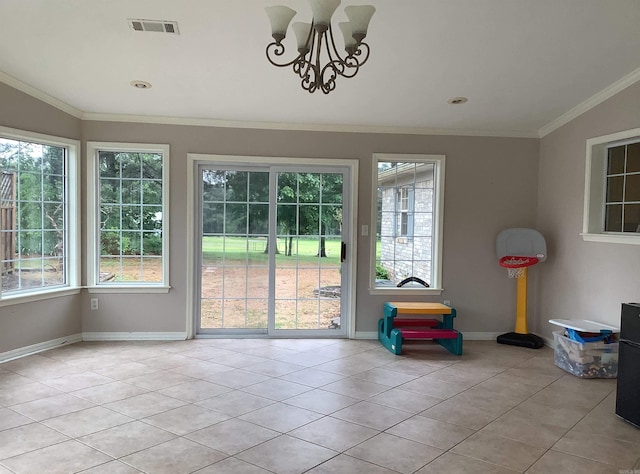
(583, 325)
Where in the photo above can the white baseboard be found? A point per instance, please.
(134, 336)
(39, 347)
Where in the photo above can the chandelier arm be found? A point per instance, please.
(359, 53)
(334, 48)
(278, 50)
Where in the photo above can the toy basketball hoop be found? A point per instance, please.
(518, 249)
(516, 266)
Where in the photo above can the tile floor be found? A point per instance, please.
(316, 406)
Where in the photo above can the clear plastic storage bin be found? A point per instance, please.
(589, 360)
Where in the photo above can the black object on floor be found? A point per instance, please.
(523, 340)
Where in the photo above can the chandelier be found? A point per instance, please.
(318, 62)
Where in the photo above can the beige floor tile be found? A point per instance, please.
(125, 371)
(109, 392)
(274, 368)
(26, 438)
(393, 452)
(177, 456)
(69, 456)
(498, 450)
(57, 405)
(553, 462)
(346, 464)
(614, 452)
(432, 432)
(356, 388)
(333, 433)
(158, 380)
(603, 422)
(166, 361)
(147, 404)
(562, 397)
(126, 439)
(232, 436)
(235, 403)
(405, 400)
(286, 455)
(520, 427)
(309, 359)
(276, 389)
(185, 419)
(194, 391)
(23, 393)
(84, 422)
(238, 360)
(463, 414)
(414, 367)
(236, 378)
(564, 417)
(312, 377)
(11, 379)
(345, 367)
(200, 369)
(232, 466)
(450, 463)
(70, 383)
(427, 385)
(321, 401)
(372, 415)
(383, 376)
(281, 417)
(453, 375)
(11, 419)
(112, 467)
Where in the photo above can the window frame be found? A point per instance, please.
(72, 250)
(93, 219)
(595, 189)
(436, 286)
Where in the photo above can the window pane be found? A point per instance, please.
(405, 221)
(633, 158)
(613, 218)
(615, 188)
(616, 160)
(632, 218)
(632, 188)
(131, 216)
(237, 182)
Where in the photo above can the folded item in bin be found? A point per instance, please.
(604, 335)
(574, 353)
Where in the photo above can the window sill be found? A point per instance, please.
(128, 289)
(612, 238)
(41, 295)
(405, 291)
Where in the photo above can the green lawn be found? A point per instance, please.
(239, 248)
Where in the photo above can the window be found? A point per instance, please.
(38, 222)
(612, 188)
(404, 211)
(408, 217)
(129, 195)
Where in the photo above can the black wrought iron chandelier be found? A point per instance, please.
(319, 63)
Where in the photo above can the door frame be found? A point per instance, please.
(350, 236)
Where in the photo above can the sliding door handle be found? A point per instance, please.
(343, 252)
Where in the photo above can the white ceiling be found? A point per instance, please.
(523, 64)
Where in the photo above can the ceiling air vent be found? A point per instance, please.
(159, 26)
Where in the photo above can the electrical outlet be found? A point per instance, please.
(447, 302)
(94, 304)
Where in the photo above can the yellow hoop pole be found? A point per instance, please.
(521, 304)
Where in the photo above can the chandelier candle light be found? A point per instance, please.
(319, 63)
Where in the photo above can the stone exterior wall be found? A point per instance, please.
(409, 255)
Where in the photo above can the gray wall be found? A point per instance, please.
(581, 280)
(31, 323)
(490, 185)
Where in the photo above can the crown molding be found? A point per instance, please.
(203, 122)
(38, 94)
(591, 102)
